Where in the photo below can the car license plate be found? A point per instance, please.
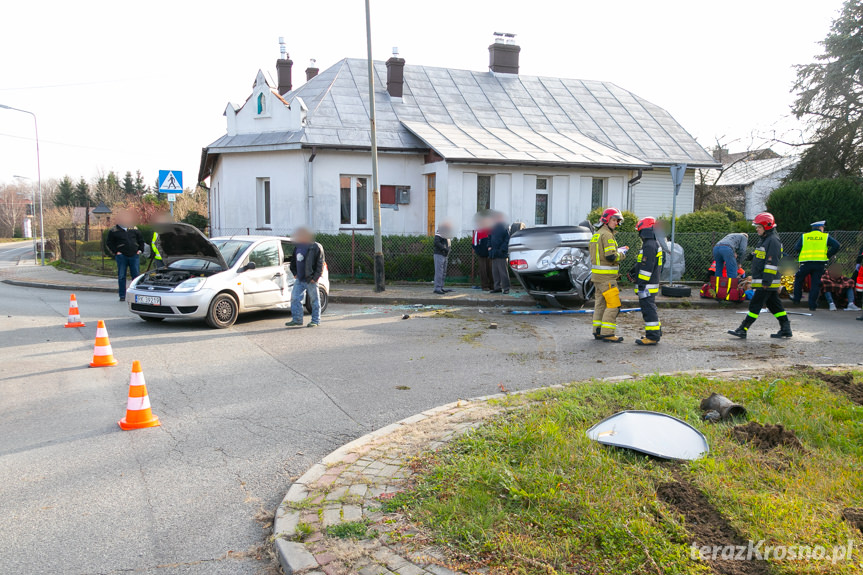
(148, 299)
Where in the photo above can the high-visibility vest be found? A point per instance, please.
(156, 254)
(814, 247)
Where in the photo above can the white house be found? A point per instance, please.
(756, 179)
(451, 142)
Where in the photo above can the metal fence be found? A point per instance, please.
(409, 258)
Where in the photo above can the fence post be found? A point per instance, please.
(472, 268)
(353, 253)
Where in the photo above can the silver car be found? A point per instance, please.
(553, 263)
(216, 279)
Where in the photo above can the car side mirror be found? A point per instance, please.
(249, 266)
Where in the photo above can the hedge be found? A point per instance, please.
(839, 201)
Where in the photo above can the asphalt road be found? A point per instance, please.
(246, 409)
(11, 252)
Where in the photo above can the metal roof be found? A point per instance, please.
(482, 115)
(744, 173)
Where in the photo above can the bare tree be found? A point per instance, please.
(709, 187)
(13, 208)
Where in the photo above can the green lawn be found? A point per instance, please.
(529, 493)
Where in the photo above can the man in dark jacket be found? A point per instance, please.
(442, 245)
(647, 270)
(498, 252)
(127, 244)
(307, 265)
(765, 279)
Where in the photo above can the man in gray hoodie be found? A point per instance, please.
(727, 250)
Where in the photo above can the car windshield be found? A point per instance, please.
(231, 249)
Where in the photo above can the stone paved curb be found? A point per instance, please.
(349, 484)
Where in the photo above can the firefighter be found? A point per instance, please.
(765, 281)
(605, 258)
(815, 249)
(647, 269)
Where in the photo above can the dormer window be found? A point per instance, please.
(262, 104)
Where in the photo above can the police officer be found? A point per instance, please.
(647, 269)
(815, 249)
(605, 258)
(765, 281)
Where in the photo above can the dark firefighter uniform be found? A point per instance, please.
(605, 266)
(765, 282)
(647, 270)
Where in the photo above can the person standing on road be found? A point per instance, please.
(815, 249)
(307, 265)
(480, 248)
(727, 250)
(442, 246)
(162, 218)
(765, 281)
(605, 258)
(647, 270)
(127, 244)
(498, 252)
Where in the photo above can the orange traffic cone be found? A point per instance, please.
(74, 316)
(138, 413)
(103, 355)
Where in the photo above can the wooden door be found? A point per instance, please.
(430, 203)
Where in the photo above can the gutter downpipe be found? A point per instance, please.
(310, 196)
(630, 204)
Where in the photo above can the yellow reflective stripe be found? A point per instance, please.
(643, 276)
(598, 270)
(611, 325)
(652, 328)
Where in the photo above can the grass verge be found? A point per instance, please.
(528, 493)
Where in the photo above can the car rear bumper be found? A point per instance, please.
(182, 305)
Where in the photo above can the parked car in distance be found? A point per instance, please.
(552, 263)
(216, 279)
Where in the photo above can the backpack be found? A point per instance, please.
(728, 290)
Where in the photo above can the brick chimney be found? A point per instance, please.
(503, 54)
(312, 70)
(283, 68)
(395, 74)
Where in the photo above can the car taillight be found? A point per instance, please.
(518, 264)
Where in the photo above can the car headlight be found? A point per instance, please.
(562, 257)
(191, 284)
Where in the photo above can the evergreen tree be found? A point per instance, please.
(129, 185)
(65, 194)
(830, 96)
(140, 187)
(82, 193)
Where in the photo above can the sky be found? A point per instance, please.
(142, 86)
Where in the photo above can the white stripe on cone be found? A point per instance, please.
(138, 403)
(137, 378)
(74, 318)
(102, 350)
(101, 332)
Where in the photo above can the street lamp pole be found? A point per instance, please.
(33, 210)
(38, 177)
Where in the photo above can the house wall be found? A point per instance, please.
(654, 195)
(234, 192)
(757, 193)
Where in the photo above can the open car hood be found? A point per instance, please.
(183, 241)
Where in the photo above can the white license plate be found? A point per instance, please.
(148, 299)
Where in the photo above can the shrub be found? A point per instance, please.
(839, 201)
(195, 219)
(629, 219)
(705, 221)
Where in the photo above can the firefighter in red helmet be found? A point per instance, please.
(765, 280)
(605, 258)
(647, 270)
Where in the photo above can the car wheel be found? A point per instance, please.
(324, 298)
(151, 319)
(676, 291)
(223, 311)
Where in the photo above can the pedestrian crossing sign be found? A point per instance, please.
(171, 181)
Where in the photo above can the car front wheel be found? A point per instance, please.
(323, 297)
(223, 311)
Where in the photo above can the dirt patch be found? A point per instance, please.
(839, 382)
(708, 528)
(854, 517)
(765, 437)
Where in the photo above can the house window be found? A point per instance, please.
(483, 193)
(597, 196)
(263, 203)
(541, 208)
(354, 200)
(262, 104)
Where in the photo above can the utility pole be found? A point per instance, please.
(376, 190)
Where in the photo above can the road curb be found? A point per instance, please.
(64, 287)
(295, 557)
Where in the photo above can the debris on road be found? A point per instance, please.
(651, 432)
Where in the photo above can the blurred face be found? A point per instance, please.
(834, 271)
(124, 219)
(302, 236)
